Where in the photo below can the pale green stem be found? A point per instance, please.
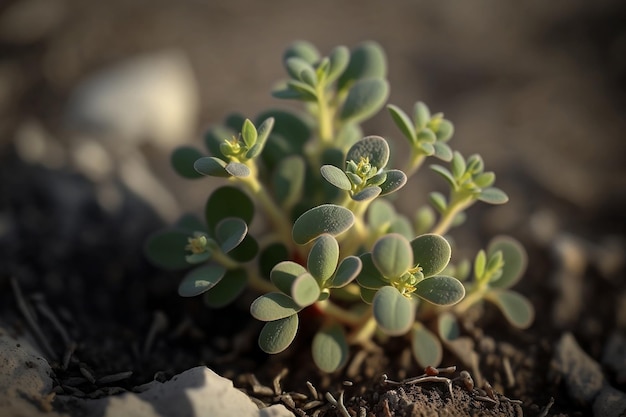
(364, 333)
(414, 163)
(324, 117)
(453, 209)
(346, 317)
(224, 260)
(475, 295)
(257, 283)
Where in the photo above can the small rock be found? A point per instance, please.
(610, 403)
(152, 97)
(196, 392)
(568, 280)
(614, 357)
(582, 375)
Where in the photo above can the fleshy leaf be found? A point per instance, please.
(442, 151)
(263, 133)
(365, 98)
(339, 59)
(396, 179)
(230, 232)
(330, 348)
(348, 269)
(426, 347)
(479, 264)
(375, 148)
(493, 195)
(248, 133)
(212, 166)
(336, 177)
(392, 255)
(421, 115)
(302, 49)
(271, 256)
(237, 169)
(370, 277)
(402, 226)
(190, 223)
(367, 193)
(380, 215)
(431, 252)
(296, 66)
(227, 290)
(284, 274)
(215, 136)
(246, 250)
(403, 122)
(197, 258)
(457, 165)
(327, 218)
(226, 202)
(393, 312)
(440, 290)
(445, 173)
(323, 257)
(517, 309)
(305, 290)
(289, 180)
(445, 131)
(438, 201)
(200, 280)
(448, 327)
(277, 335)
(183, 159)
(515, 260)
(366, 61)
(367, 294)
(273, 306)
(166, 248)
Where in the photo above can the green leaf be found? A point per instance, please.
(448, 327)
(493, 195)
(447, 175)
(445, 131)
(486, 179)
(302, 49)
(392, 255)
(308, 93)
(517, 309)
(215, 136)
(230, 232)
(367, 193)
(348, 269)
(427, 149)
(515, 260)
(431, 252)
(479, 264)
(442, 151)
(271, 256)
(197, 258)
(166, 248)
(366, 61)
(380, 214)
(424, 219)
(323, 257)
(330, 348)
(375, 148)
(396, 179)
(288, 180)
(403, 122)
(191, 223)
(212, 166)
(226, 202)
(284, 274)
(273, 306)
(237, 169)
(296, 66)
(457, 165)
(248, 133)
(263, 134)
(234, 121)
(339, 58)
(365, 98)
(421, 115)
(336, 177)
(438, 201)
(246, 250)
(426, 347)
(370, 277)
(276, 336)
(367, 294)
(305, 290)
(327, 218)
(286, 124)
(440, 290)
(393, 312)
(426, 136)
(227, 290)
(200, 280)
(402, 226)
(183, 159)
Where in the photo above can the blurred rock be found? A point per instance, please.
(614, 357)
(29, 21)
(196, 392)
(150, 98)
(567, 280)
(610, 403)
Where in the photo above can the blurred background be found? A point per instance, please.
(107, 89)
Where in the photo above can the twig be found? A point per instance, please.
(545, 410)
(43, 308)
(159, 323)
(339, 404)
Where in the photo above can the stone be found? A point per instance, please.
(610, 403)
(614, 356)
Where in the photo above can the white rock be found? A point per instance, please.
(196, 392)
(152, 97)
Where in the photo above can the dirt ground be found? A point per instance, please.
(536, 88)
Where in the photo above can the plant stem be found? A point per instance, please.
(324, 117)
(414, 163)
(475, 295)
(364, 333)
(344, 316)
(456, 206)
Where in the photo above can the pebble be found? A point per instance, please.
(610, 403)
(614, 356)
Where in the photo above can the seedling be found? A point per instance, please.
(334, 242)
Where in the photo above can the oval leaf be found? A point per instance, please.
(284, 274)
(336, 177)
(393, 312)
(246, 250)
(445, 174)
(366, 61)
(323, 257)
(396, 179)
(227, 290)
(493, 195)
(273, 306)
(365, 98)
(440, 290)
(392, 255)
(200, 280)
(375, 148)
(515, 260)
(212, 166)
(166, 248)
(327, 218)
(237, 169)
(339, 58)
(367, 295)
(183, 159)
(426, 347)
(330, 348)
(305, 290)
(517, 309)
(448, 327)
(288, 180)
(431, 252)
(276, 336)
(226, 202)
(271, 256)
(366, 194)
(230, 232)
(262, 134)
(347, 271)
(370, 276)
(380, 215)
(442, 151)
(403, 122)
(248, 133)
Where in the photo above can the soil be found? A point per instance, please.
(104, 310)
